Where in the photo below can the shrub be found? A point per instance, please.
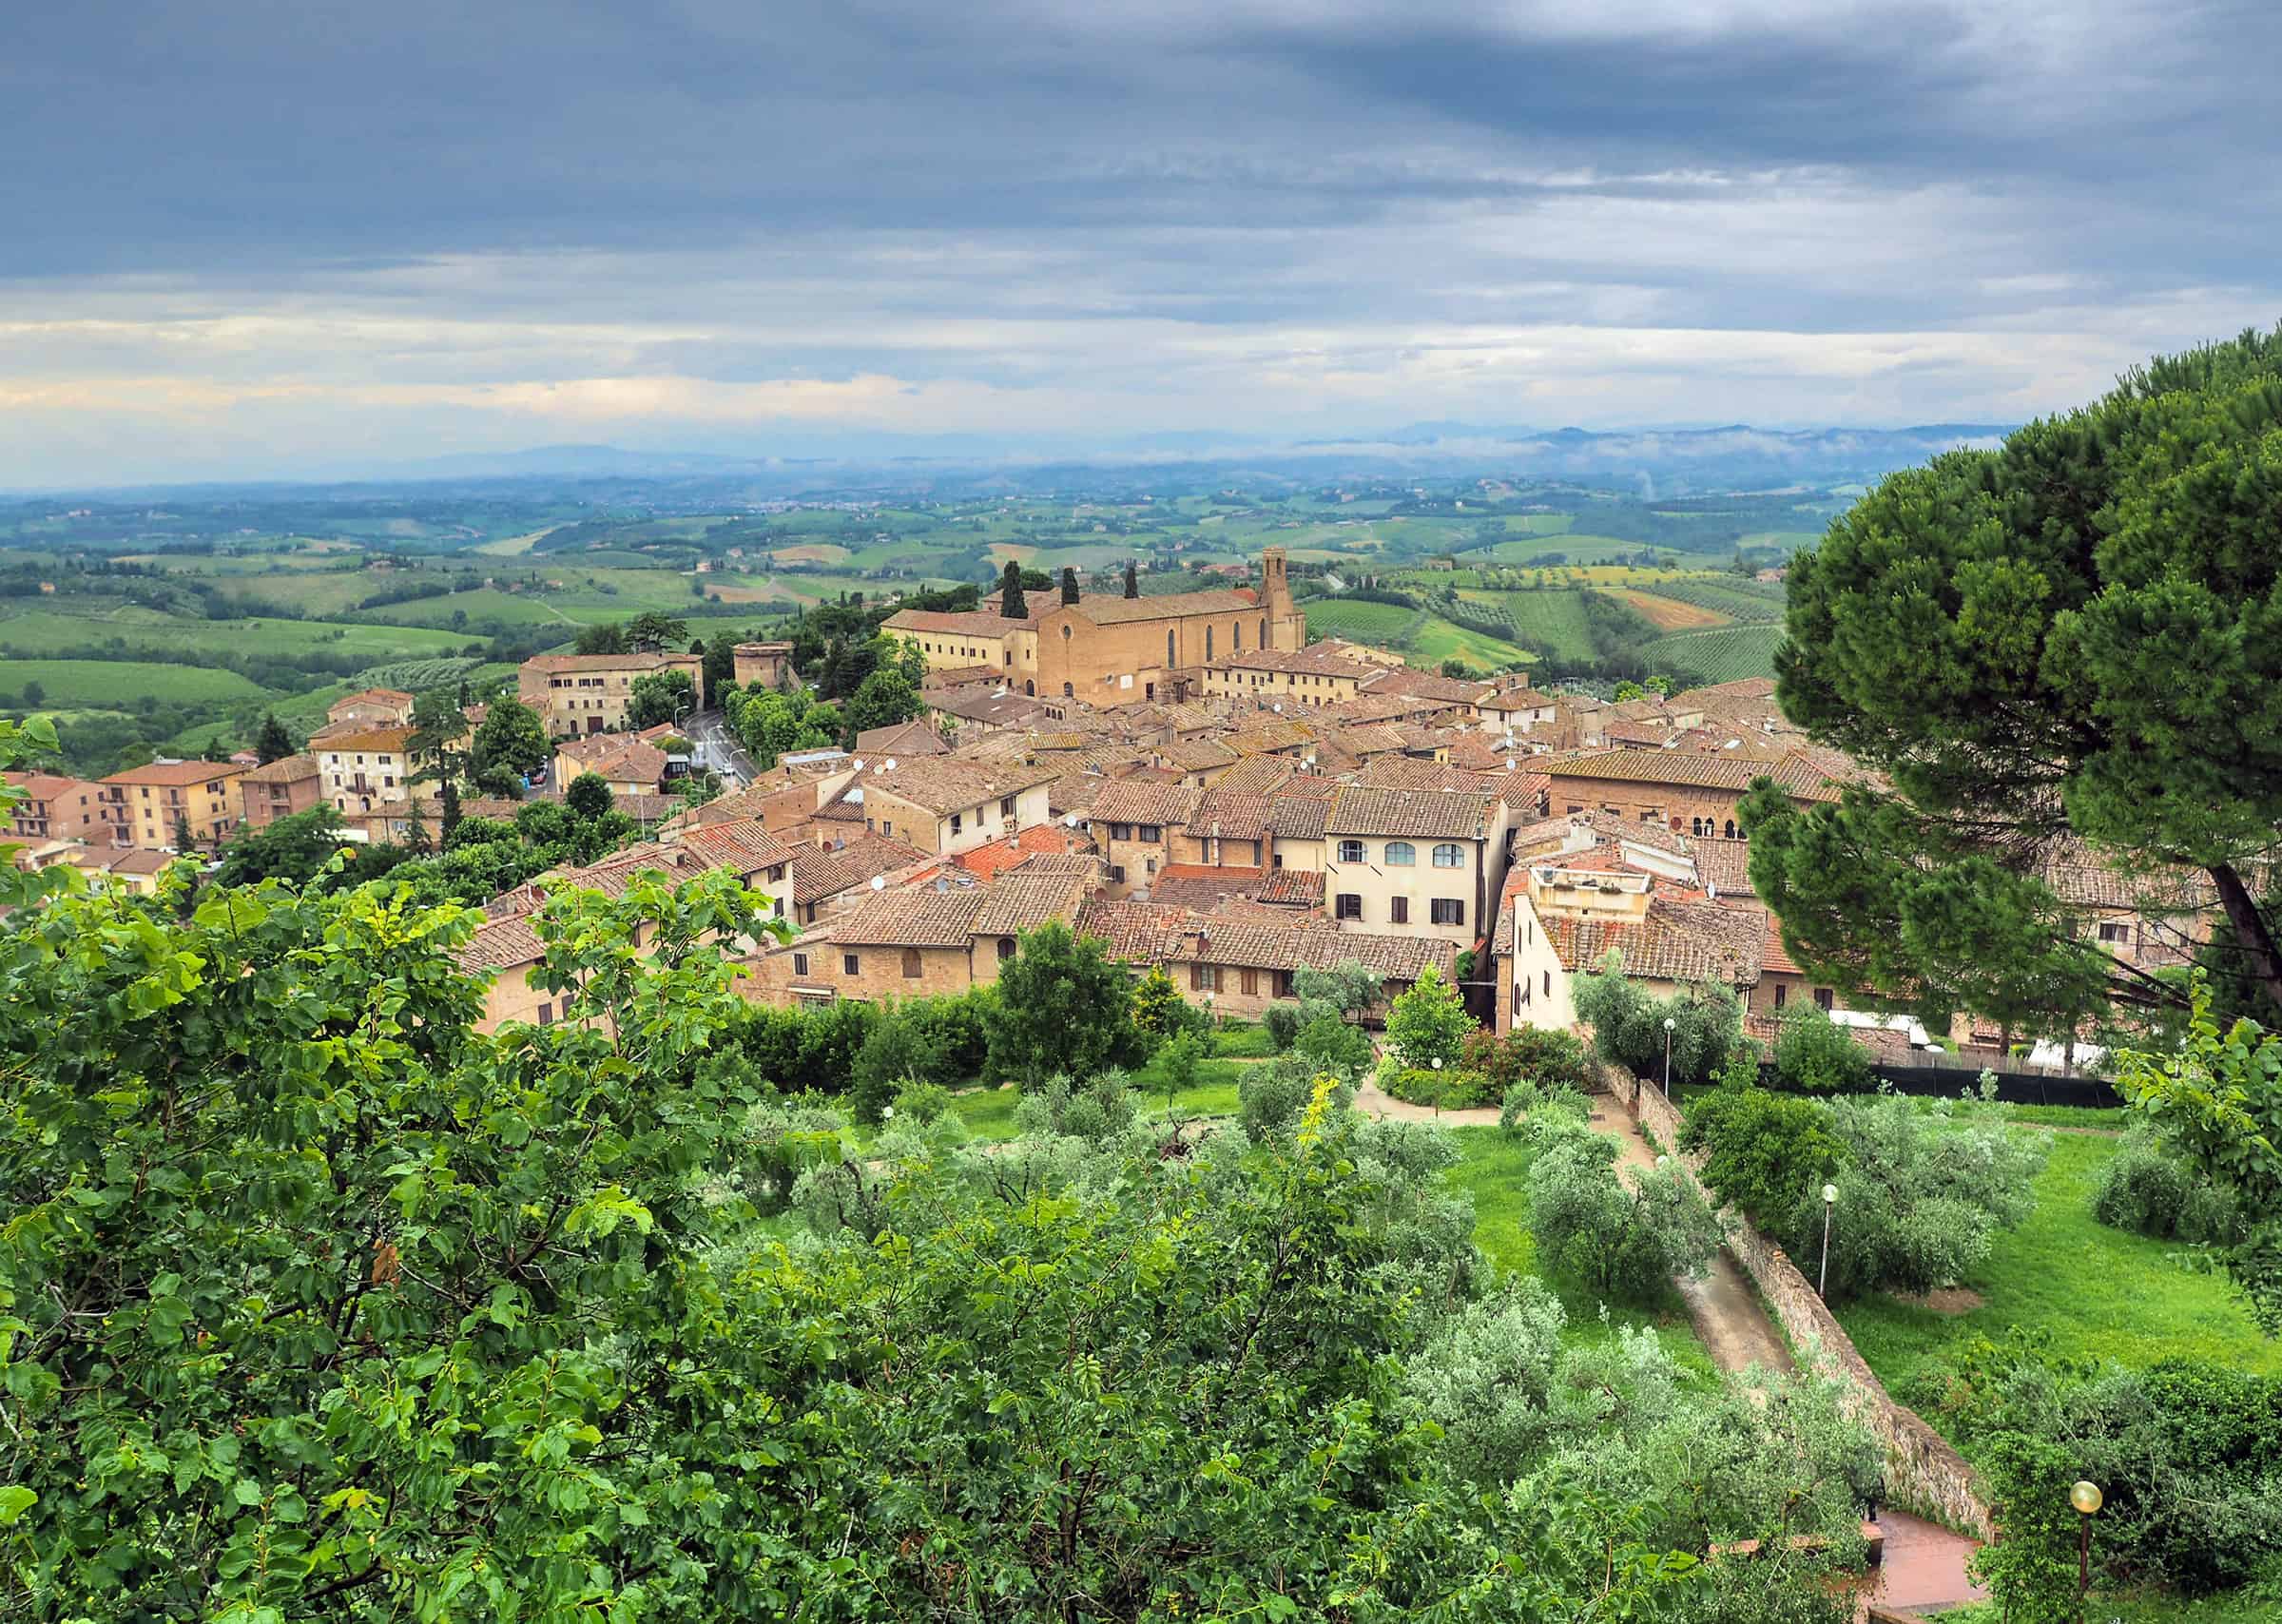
(2148, 1189)
(1093, 1110)
(1531, 1107)
(903, 1049)
(1921, 1196)
(1625, 1240)
(1764, 1150)
(1159, 1010)
(1272, 1095)
(1816, 1055)
(1329, 1044)
(922, 1103)
(1427, 1022)
(1628, 1026)
(1451, 1089)
(1537, 1054)
(1283, 1022)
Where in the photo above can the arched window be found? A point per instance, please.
(1207, 642)
(1449, 855)
(1065, 631)
(1171, 658)
(1400, 854)
(1264, 631)
(1236, 637)
(1029, 689)
(1068, 691)
(1730, 828)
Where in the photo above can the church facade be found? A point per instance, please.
(1109, 649)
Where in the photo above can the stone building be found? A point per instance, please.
(1292, 676)
(141, 806)
(1105, 649)
(1683, 790)
(372, 708)
(947, 806)
(763, 665)
(1239, 965)
(280, 789)
(588, 693)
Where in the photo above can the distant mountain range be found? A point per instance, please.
(1726, 456)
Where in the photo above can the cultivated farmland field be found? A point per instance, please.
(1357, 621)
(1672, 613)
(64, 633)
(116, 685)
(1723, 654)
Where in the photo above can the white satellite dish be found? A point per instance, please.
(878, 881)
(890, 764)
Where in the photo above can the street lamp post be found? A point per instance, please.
(1668, 1025)
(2086, 1498)
(1823, 1278)
(1438, 1085)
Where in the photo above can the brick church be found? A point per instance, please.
(1109, 649)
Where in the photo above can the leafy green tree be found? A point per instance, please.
(1628, 1025)
(1159, 1010)
(1426, 1022)
(1349, 989)
(720, 667)
(1764, 1150)
(272, 744)
(1011, 602)
(651, 631)
(607, 638)
(657, 696)
(2031, 1567)
(589, 796)
(448, 814)
(183, 840)
(294, 848)
(1062, 1006)
(2057, 651)
(2217, 1103)
(439, 740)
(511, 744)
(887, 697)
(1817, 1055)
(1624, 1239)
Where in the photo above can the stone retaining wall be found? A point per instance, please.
(1923, 1474)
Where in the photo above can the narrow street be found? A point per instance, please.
(719, 748)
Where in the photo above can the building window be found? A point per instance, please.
(1207, 642)
(1236, 647)
(1400, 911)
(1283, 986)
(956, 823)
(2114, 933)
(800, 964)
(1400, 854)
(1117, 873)
(1068, 691)
(1730, 828)
(1822, 1000)
(1152, 833)
(1006, 806)
(1350, 851)
(1006, 948)
(547, 1014)
(1349, 906)
(1449, 910)
(911, 964)
(1249, 981)
(1169, 659)
(850, 964)
(1264, 631)
(1549, 983)
(1780, 989)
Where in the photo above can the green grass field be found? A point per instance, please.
(115, 685)
(2099, 1291)
(1437, 640)
(1553, 619)
(63, 634)
(1571, 547)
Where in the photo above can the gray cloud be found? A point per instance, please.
(250, 238)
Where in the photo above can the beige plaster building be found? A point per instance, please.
(367, 770)
(588, 693)
(1414, 862)
(947, 806)
(141, 806)
(56, 808)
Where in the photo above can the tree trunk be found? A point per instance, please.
(2263, 960)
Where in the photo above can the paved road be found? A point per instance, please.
(718, 748)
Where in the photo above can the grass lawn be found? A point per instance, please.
(1243, 1041)
(2154, 1608)
(1494, 1172)
(2099, 1291)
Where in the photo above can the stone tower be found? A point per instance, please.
(1286, 627)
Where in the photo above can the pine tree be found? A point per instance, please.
(1132, 580)
(1069, 585)
(273, 743)
(415, 833)
(183, 843)
(1010, 588)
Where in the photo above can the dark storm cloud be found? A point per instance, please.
(303, 224)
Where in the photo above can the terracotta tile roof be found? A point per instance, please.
(178, 774)
(993, 709)
(49, 786)
(745, 846)
(819, 874)
(632, 761)
(1141, 801)
(1311, 660)
(1291, 887)
(1026, 899)
(969, 623)
(1197, 755)
(500, 945)
(1723, 866)
(1297, 817)
(1270, 738)
(1685, 769)
(914, 738)
(1515, 698)
(1315, 946)
(1418, 814)
(1309, 786)
(1200, 885)
(1410, 772)
(989, 861)
(1676, 941)
(378, 696)
(383, 740)
(650, 660)
(1426, 684)
(285, 769)
(924, 917)
(1231, 814)
(949, 784)
(1115, 610)
(1608, 827)
(1135, 933)
(1742, 688)
(1254, 775)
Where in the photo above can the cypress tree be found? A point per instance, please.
(1069, 585)
(1132, 580)
(1010, 603)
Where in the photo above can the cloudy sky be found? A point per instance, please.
(280, 237)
